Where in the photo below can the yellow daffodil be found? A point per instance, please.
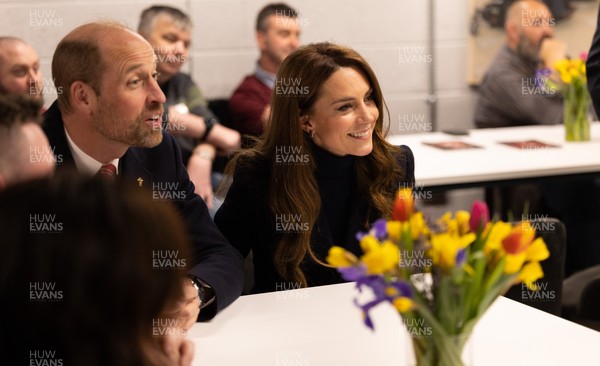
(403, 304)
(462, 222)
(445, 248)
(537, 251)
(530, 273)
(418, 227)
(394, 230)
(339, 257)
(381, 258)
(368, 243)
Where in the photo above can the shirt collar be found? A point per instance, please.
(264, 76)
(86, 164)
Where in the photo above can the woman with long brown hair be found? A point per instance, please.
(321, 172)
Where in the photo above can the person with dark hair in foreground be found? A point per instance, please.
(277, 35)
(321, 172)
(108, 121)
(26, 153)
(81, 279)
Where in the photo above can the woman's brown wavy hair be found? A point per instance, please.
(292, 188)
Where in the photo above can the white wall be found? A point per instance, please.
(390, 34)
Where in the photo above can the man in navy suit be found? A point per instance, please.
(108, 120)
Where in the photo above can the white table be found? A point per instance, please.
(321, 326)
(497, 162)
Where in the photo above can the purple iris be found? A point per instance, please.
(379, 229)
(540, 77)
(379, 287)
(461, 256)
(353, 273)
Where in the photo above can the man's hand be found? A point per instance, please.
(178, 350)
(264, 117)
(200, 170)
(186, 309)
(552, 50)
(224, 139)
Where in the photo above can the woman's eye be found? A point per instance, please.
(344, 108)
(134, 82)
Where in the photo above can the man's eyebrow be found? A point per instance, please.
(133, 67)
(18, 66)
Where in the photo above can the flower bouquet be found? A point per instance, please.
(573, 85)
(442, 277)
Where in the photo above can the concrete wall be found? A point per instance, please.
(391, 34)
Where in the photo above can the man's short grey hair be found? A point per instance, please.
(150, 15)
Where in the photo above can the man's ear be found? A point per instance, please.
(261, 40)
(83, 97)
(512, 31)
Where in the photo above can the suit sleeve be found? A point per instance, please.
(593, 68)
(215, 261)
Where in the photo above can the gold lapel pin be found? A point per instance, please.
(140, 181)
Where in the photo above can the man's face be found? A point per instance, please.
(171, 45)
(129, 107)
(20, 70)
(536, 25)
(281, 38)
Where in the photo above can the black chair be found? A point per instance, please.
(220, 107)
(548, 297)
(581, 297)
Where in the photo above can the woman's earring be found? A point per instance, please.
(312, 134)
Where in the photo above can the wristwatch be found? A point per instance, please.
(206, 294)
(209, 123)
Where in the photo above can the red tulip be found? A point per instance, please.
(404, 205)
(480, 216)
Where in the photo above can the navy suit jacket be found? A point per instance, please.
(215, 261)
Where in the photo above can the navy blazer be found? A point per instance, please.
(215, 261)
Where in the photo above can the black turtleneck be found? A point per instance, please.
(336, 179)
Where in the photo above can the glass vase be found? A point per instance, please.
(443, 351)
(575, 115)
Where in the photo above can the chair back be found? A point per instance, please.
(549, 295)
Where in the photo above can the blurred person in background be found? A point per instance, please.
(19, 68)
(277, 35)
(530, 46)
(198, 131)
(79, 279)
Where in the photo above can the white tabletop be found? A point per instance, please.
(321, 326)
(497, 162)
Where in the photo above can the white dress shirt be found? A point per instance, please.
(86, 164)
